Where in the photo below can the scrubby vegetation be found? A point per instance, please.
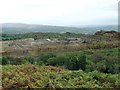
(105, 61)
(80, 69)
(31, 76)
(39, 35)
(93, 63)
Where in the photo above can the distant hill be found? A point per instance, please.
(16, 28)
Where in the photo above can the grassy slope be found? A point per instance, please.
(15, 76)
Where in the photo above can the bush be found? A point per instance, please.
(57, 61)
(31, 60)
(82, 61)
(106, 62)
(76, 62)
(4, 60)
(52, 61)
(45, 56)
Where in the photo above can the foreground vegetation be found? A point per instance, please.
(31, 76)
(104, 60)
(83, 69)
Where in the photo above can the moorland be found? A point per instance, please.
(60, 60)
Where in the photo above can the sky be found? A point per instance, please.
(60, 12)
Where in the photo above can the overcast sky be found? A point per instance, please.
(59, 12)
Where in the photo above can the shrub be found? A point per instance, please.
(45, 56)
(59, 60)
(82, 61)
(4, 60)
(76, 62)
(52, 61)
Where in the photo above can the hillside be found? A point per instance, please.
(55, 60)
(15, 28)
(35, 43)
